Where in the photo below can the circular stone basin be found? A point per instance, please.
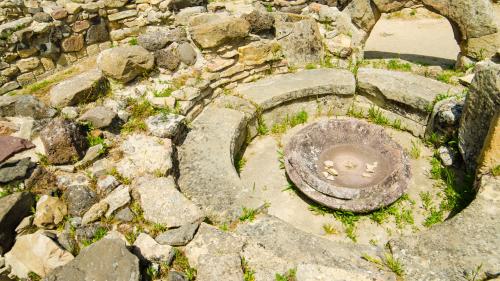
(347, 164)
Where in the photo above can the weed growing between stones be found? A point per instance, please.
(415, 150)
(496, 171)
(448, 76)
(181, 264)
(398, 65)
(133, 41)
(9, 188)
(240, 163)
(248, 214)
(119, 177)
(262, 129)
(290, 122)
(330, 229)
(167, 92)
(388, 263)
(99, 234)
(33, 276)
(248, 273)
(402, 215)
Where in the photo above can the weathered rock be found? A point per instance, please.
(447, 115)
(125, 63)
(106, 184)
(125, 215)
(97, 33)
(13, 208)
(259, 20)
(50, 211)
(115, 3)
(122, 15)
(176, 276)
(157, 39)
(364, 14)
(73, 43)
(144, 155)
(166, 125)
(28, 64)
(117, 199)
(395, 88)
(215, 254)
(259, 52)
(36, 253)
(83, 88)
(41, 181)
(99, 117)
(182, 18)
(178, 236)
(24, 105)
(95, 212)
(107, 259)
(64, 141)
(168, 57)
(163, 203)
(12, 145)
(149, 250)
(90, 156)
(79, 199)
(481, 106)
(180, 4)
(300, 41)
(15, 170)
(212, 30)
(186, 53)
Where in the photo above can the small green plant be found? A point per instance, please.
(396, 124)
(352, 112)
(167, 92)
(290, 275)
(474, 275)
(415, 150)
(434, 139)
(397, 65)
(447, 76)
(310, 66)
(240, 163)
(152, 272)
(181, 264)
(248, 273)
(269, 8)
(33, 276)
(99, 234)
(248, 214)
(133, 41)
(330, 229)
(426, 200)
(413, 12)
(224, 227)
(139, 111)
(435, 216)
(375, 115)
(496, 171)
(124, 180)
(262, 129)
(388, 263)
(43, 160)
(281, 158)
(289, 122)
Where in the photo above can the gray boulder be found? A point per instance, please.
(79, 199)
(64, 141)
(125, 63)
(186, 53)
(168, 58)
(99, 117)
(212, 30)
(97, 33)
(166, 125)
(107, 259)
(24, 105)
(158, 38)
(83, 88)
(178, 236)
(259, 20)
(15, 170)
(13, 208)
(481, 108)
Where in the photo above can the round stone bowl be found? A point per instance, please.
(347, 164)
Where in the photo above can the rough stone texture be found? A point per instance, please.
(471, 239)
(107, 259)
(79, 199)
(273, 91)
(125, 63)
(145, 155)
(446, 115)
(162, 203)
(24, 105)
(259, 20)
(15, 170)
(180, 4)
(259, 52)
(215, 254)
(363, 13)
(41, 181)
(212, 30)
(166, 125)
(212, 183)
(300, 40)
(50, 211)
(491, 149)
(178, 236)
(73, 43)
(97, 33)
(99, 117)
(186, 53)
(167, 58)
(406, 94)
(82, 88)
(13, 208)
(481, 106)
(148, 249)
(390, 179)
(64, 141)
(95, 212)
(273, 246)
(117, 199)
(36, 253)
(12, 145)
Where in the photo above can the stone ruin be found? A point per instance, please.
(125, 127)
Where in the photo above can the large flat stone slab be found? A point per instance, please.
(13, 208)
(207, 173)
(407, 94)
(273, 91)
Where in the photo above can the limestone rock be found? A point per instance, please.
(300, 41)
(15, 170)
(95, 212)
(13, 208)
(259, 52)
(178, 236)
(363, 13)
(481, 106)
(259, 20)
(73, 43)
(117, 199)
(99, 117)
(148, 249)
(168, 58)
(180, 4)
(215, 254)
(186, 53)
(106, 183)
(50, 211)
(156, 38)
(107, 259)
(144, 155)
(125, 63)
(83, 88)
(12, 145)
(79, 199)
(212, 30)
(97, 33)
(166, 125)
(24, 105)
(64, 141)
(163, 203)
(36, 253)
